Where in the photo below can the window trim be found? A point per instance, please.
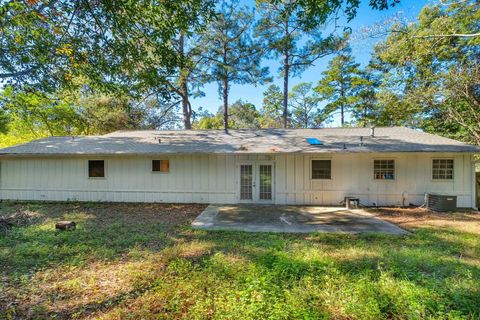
(311, 169)
(104, 169)
(442, 180)
(160, 172)
(394, 169)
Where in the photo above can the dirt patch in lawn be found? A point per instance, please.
(113, 254)
(170, 215)
(411, 218)
(103, 213)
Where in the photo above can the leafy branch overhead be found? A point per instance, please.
(433, 82)
(116, 44)
(89, 67)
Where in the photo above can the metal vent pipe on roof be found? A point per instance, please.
(372, 131)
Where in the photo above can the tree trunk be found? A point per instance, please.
(225, 88)
(365, 108)
(342, 106)
(342, 111)
(286, 68)
(225, 103)
(306, 118)
(187, 110)
(186, 107)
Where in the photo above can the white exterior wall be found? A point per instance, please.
(352, 175)
(198, 179)
(215, 178)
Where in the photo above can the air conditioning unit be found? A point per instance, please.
(439, 202)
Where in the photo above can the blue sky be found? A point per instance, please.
(361, 50)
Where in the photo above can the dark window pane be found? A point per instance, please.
(96, 168)
(161, 165)
(321, 169)
(155, 165)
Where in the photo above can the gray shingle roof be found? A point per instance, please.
(394, 139)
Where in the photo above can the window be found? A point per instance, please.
(96, 169)
(442, 169)
(321, 169)
(384, 169)
(160, 165)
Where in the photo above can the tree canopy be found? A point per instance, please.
(231, 52)
(288, 39)
(91, 67)
(115, 44)
(431, 72)
(340, 85)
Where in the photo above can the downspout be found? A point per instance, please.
(474, 181)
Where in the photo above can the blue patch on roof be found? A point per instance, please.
(314, 141)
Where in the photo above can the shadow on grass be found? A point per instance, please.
(429, 262)
(369, 275)
(104, 231)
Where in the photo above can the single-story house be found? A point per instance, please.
(380, 166)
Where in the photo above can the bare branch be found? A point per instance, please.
(453, 35)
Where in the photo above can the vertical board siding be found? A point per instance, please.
(198, 179)
(214, 179)
(352, 175)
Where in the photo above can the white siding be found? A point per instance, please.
(214, 179)
(199, 179)
(352, 175)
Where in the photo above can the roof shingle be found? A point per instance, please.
(392, 139)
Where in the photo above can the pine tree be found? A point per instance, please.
(304, 106)
(185, 81)
(231, 52)
(282, 31)
(339, 85)
(367, 108)
(272, 107)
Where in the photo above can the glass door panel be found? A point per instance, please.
(265, 181)
(246, 182)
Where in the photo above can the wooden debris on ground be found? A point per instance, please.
(21, 218)
(65, 225)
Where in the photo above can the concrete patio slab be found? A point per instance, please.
(291, 219)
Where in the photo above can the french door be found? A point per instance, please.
(256, 182)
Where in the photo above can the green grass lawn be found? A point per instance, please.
(143, 261)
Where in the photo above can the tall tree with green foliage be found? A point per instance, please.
(4, 119)
(289, 39)
(243, 115)
(272, 107)
(115, 44)
(432, 71)
(40, 114)
(366, 109)
(304, 107)
(187, 79)
(233, 55)
(339, 85)
(117, 47)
